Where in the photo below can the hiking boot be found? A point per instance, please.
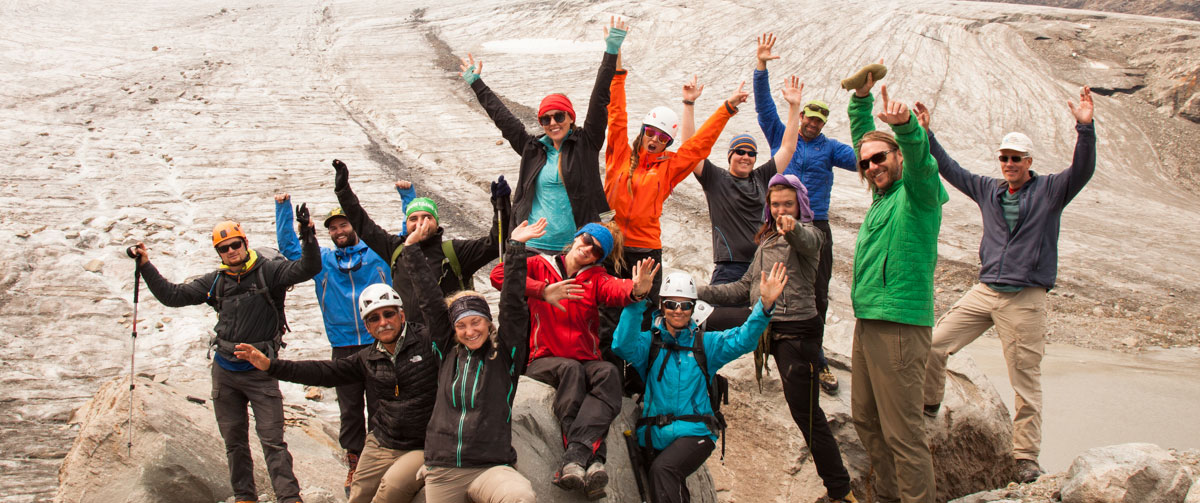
(932, 410)
(848, 498)
(1028, 471)
(570, 477)
(595, 480)
(829, 382)
(352, 461)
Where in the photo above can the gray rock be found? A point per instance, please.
(1193, 495)
(1127, 473)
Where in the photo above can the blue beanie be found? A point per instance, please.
(602, 235)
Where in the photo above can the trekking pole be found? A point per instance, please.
(137, 281)
(500, 234)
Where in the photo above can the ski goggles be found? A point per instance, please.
(670, 305)
(558, 116)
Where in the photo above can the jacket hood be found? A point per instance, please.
(686, 334)
(806, 212)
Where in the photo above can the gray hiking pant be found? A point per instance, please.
(231, 391)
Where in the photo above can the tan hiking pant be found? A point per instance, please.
(1020, 321)
(496, 484)
(386, 475)
(888, 375)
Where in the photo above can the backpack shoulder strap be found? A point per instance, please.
(396, 255)
(698, 353)
(448, 251)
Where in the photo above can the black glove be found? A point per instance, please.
(341, 177)
(500, 188)
(304, 220)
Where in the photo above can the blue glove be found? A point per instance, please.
(613, 42)
(470, 76)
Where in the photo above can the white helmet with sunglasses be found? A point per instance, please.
(678, 284)
(662, 119)
(378, 296)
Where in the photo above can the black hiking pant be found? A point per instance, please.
(231, 392)
(671, 466)
(798, 362)
(610, 316)
(351, 400)
(587, 399)
(821, 281)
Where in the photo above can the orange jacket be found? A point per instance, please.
(637, 211)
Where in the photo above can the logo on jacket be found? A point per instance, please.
(415, 359)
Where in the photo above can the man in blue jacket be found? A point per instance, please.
(346, 270)
(813, 163)
(1019, 253)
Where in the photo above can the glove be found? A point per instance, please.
(613, 42)
(341, 176)
(304, 220)
(500, 188)
(470, 75)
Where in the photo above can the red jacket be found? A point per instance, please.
(573, 334)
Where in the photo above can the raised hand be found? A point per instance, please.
(865, 89)
(643, 276)
(566, 289)
(281, 197)
(692, 90)
(140, 253)
(500, 189)
(341, 175)
(614, 35)
(785, 224)
(922, 114)
(793, 91)
(1083, 111)
(425, 227)
(738, 97)
(403, 184)
(771, 286)
(893, 112)
(252, 355)
(615, 22)
(469, 69)
(525, 232)
(766, 42)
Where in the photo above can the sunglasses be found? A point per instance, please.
(655, 134)
(1013, 158)
(591, 241)
(878, 158)
(236, 245)
(670, 305)
(374, 318)
(751, 153)
(821, 110)
(559, 117)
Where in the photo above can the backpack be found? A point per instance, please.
(449, 257)
(260, 287)
(717, 387)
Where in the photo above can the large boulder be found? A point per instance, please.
(1126, 473)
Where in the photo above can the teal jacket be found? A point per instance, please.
(896, 250)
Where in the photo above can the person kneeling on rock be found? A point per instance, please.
(564, 293)
(678, 427)
(399, 373)
(468, 449)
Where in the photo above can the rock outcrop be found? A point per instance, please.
(1127, 473)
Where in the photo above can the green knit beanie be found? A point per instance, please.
(422, 204)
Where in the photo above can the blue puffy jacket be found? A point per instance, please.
(682, 388)
(813, 161)
(345, 272)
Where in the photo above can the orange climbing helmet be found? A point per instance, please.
(227, 229)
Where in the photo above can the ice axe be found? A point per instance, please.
(137, 283)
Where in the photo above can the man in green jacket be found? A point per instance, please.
(892, 292)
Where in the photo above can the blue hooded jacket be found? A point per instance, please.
(345, 273)
(813, 161)
(682, 388)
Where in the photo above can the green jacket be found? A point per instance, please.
(896, 250)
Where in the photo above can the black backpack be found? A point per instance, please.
(717, 387)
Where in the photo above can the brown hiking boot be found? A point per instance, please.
(829, 382)
(352, 461)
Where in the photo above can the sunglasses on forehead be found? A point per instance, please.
(374, 318)
(657, 135)
(878, 158)
(558, 116)
(818, 109)
(740, 151)
(670, 305)
(236, 245)
(1013, 158)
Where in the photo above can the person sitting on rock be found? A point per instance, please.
(788, 236)
(564, 292)
(1019, 257)
(399, 372)
(678, 427)
(559, 176)
(247, 291)
(455, 261)
(468, 442)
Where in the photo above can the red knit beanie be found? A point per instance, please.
(556, 101)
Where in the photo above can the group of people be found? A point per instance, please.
(585, 309)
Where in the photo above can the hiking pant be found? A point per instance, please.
(888, 374)
(671, 466)
(231, 391)
(496, 484)
(797, 361)
(1020, 321)
(351, 399)
(587, 399)
(386, 475)
(610, 316)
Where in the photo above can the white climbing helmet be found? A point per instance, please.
(663, 119)
(678, 284)
(701, 312)
(377, 296)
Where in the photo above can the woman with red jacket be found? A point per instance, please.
(565, 292)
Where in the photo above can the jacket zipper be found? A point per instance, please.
(462, 417)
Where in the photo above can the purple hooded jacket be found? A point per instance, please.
(806, 212)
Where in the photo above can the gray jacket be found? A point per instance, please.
(800, 249)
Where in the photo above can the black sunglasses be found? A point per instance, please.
(1014, 158)
(670, 305)
(817, 109)
(591, 241)
(374, 318)
(878, 158)
(236, 245)
(751, 153)
(559, 117)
